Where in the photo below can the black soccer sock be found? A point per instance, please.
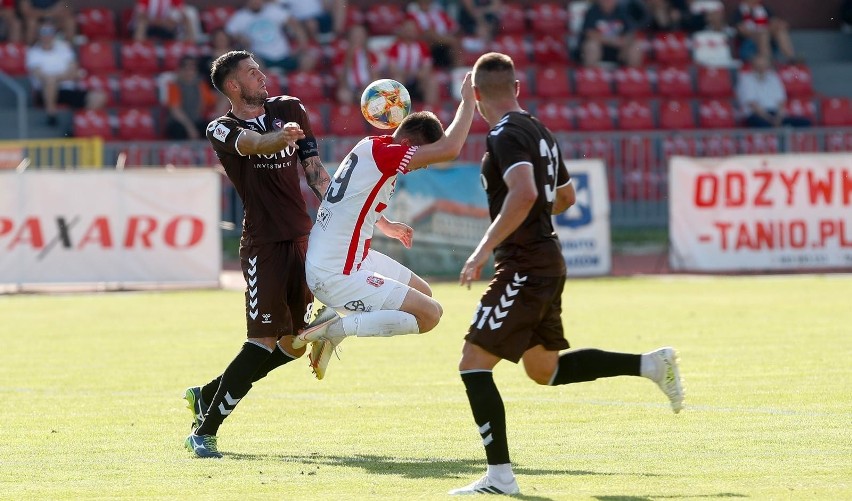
(589, 364)
(236, 383)
(489, 414)
(278, 358)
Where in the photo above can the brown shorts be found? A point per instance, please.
(518, 312)
(278, 300)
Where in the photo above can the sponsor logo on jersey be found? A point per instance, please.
(221, 132)
(375, 281)
(323, 217)
(266, 318)
(277, 123)
(356, 305)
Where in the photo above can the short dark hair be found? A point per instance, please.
(494, 74)
(421, 127)
(224, 65)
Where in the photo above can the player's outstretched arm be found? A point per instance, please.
(449, 147)
(565, 198)
(255, 143)
(399, 231)
(316, 175)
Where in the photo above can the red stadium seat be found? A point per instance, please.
(138, 91)
(139, 57)
(718, 145)
(137, 124)
(354, 17)
(309, 86)
(797, 80)
(804, 142)
(759, 143)
(633, 82)
(671, 48)
(674, 82)
(179, 155)
(513, 19)
(97, 23)
(550, 50)
(556, 116)
(514, 46)
(445, 82)
(317, 119)
(13, 58)
(548, 18)
(801, 107)
(104, 83)
(173, 51)
(593, 82)
(679, 145)
(597, 147)
(676, 114)
(594, 116)
(635, 115)
(274, 83)
(526, 91)
(384, 18)
(714, 82)
(91, 123)
(836, 111)
(552, 82)
(638, 159)
(716, 114)
(346, 120)
(838, 142)
(213, 18)
(98, 57)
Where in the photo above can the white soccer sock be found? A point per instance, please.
(501, 472)
(382, 323)
(648, 366)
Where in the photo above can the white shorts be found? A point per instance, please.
(380, 284)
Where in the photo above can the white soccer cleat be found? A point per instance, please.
(668, 376)
(486, 485)
(316, 328)
(320, 355)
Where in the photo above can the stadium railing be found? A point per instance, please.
(66, 153)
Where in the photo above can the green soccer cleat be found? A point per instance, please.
(203, 446)
(196, 405)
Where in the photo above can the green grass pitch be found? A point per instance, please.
(91, 387)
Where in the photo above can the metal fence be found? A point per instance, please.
(637, 162)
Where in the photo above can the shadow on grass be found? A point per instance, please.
(670, 496)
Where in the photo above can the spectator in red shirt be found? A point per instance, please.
(57, 12)
(162, 20)
(760, 31)
(11, 23)
(355, 67)
(439, 30)
(410, 62)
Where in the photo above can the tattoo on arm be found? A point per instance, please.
(316, 176)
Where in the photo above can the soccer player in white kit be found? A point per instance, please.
(368, 293)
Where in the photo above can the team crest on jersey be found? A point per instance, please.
(375, 281)
(277, 123)
(323, 217)
(357, 305)
(221, 132)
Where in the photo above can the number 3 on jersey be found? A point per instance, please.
(338, 185)
(551, 154)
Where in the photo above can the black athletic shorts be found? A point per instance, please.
(518, 312)
(278, 301)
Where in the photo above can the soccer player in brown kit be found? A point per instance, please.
(519, 315)
(259, 142)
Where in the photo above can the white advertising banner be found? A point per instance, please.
(752, 213)
(584, 228)
(115, 227)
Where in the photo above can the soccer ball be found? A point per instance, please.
(385, 102)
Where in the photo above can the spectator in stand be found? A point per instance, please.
(705, 15)
(410, 62)
(608, 36)
(355, 67)
(439, 30)
(10, 24)
(220, 43)
(665, 15)
(323, 19)
(162, 20)
(761, 32)
(191, 102)
(57, 12)
(52, 66)
(762, 97)
(480, 16)
(260, 28)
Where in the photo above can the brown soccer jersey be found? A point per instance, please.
(268, 185)
(519, 138)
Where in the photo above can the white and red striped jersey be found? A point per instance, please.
(159, 9)
(409, 56)
(434, 18)
(359, 191)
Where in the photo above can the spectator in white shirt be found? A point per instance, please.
(260, 28)
(53, 70)
(762, 97)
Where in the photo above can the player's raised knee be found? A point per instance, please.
(539, 374)
(431, 317)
